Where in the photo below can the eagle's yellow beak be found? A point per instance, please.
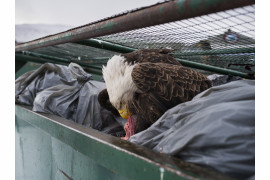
(124, 113)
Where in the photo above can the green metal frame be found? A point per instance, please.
(59, 60)
(19, 65)
(28, 66)
(41, 58)
(218, 51)
(95, 71)
(52, 145)
(214, 69)
(105, 45)
(145, 17)
(111, 46)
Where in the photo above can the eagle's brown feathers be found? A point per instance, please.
(103, 99)
(164, 86)
(162, 83)
(151, 55)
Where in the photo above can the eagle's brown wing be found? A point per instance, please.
(151, 55)
(104, 101)
(169, 81)
(163, 86)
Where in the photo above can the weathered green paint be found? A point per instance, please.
(53, 59)
(50, 147)
(108, 25)
(67, 34)
(39, 156)
(63, 60)
(39, 59)
(193, 6)
(105, 45)
(58, 59)
(214, 69)
(19, 65)
(25, 58)
(28, 66)
(218, 51)
(96, 76)
(95, 71)
(161, 9)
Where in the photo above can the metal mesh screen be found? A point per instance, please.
(224, 39)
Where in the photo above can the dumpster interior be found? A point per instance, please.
(65, 78)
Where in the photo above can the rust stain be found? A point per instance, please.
(69, 178)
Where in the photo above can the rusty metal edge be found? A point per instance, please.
(157, 14)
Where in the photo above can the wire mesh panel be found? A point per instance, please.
(224, 39)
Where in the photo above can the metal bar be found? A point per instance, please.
(190, 63)
(157, 14)
(121, 158)
(97, 69)
(218, 51)
(22, 57)
(46, 56)
(214, 69)
(105, 45)
(34, 54)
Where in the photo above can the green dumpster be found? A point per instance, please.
(51, 147)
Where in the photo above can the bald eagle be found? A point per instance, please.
(146, 83)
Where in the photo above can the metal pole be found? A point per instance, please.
(105, 45)
(46, 57)
(22, 57)
(34, 54)
(214, 69)
(185, 62)
(111, 46)
(218, 51)
(97, 69)
(157, 14)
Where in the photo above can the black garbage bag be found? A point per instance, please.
(216, 129)
(69, 92)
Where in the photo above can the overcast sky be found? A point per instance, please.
(71, 12)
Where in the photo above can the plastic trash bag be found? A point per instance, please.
(218, 79)
(68, 92)
(216, 129)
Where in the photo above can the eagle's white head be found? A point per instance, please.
(117, 76)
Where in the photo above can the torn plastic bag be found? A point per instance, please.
(216, 129)
(218, 79)
(68, 92)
